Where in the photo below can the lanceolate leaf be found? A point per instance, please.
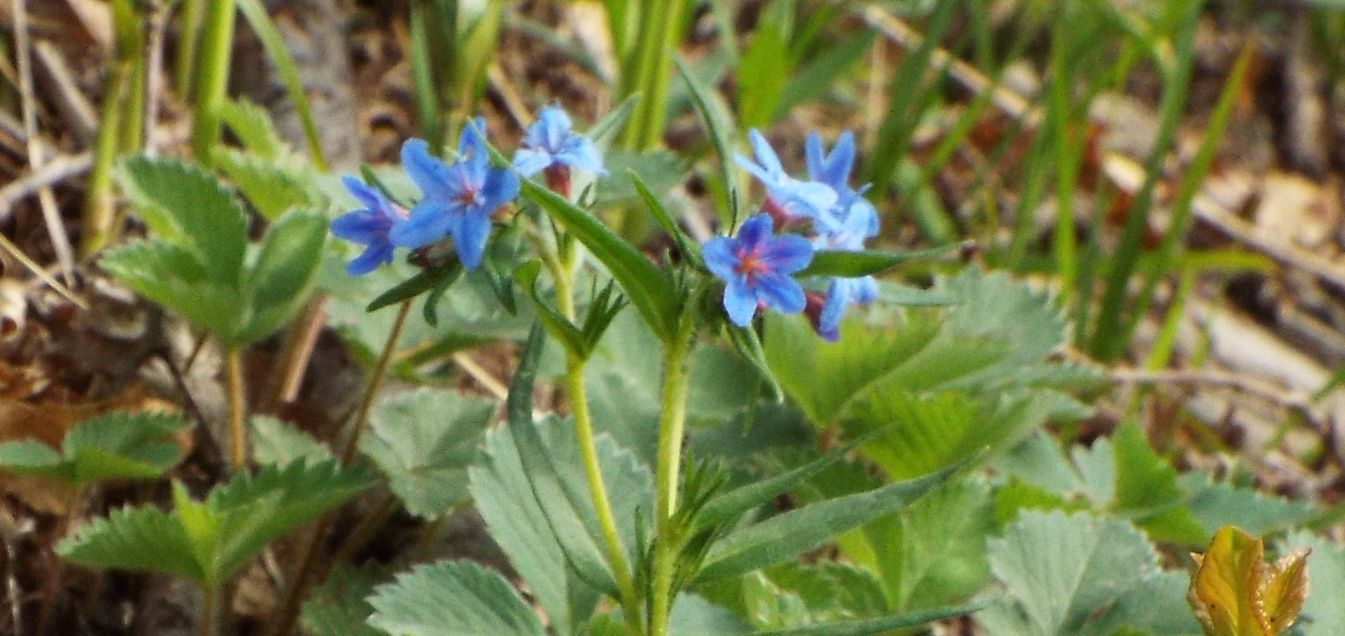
(647, 287)
(557, 326)
(718, 122)
(423, 281)
(867, 262)
(690, 249)
(452, 597)
(789, 534)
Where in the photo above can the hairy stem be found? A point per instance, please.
(672, 420)
(588, 450)
(237, 409)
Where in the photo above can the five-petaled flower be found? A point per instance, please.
(368, 226)
(787, 198)
(756, 267)
(552, 146)
(459, 198)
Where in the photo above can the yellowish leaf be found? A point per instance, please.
(1235, 593)
(1285, 589)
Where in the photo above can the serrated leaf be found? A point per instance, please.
(647, 287)
(933, 552)
(134, 539)
(173, 277)
(272, 189)
(1217, 504)
(1235, 593)
(112, 446)
(188, 207)
(278, 284)
(1064, 572)
(339, 607)
(452, 597)
(277, 442)
(786, 535)
(423, 442)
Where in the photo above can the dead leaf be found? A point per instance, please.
(1234, 592)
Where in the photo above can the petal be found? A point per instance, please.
(814, 155)
(555, 127)
(368, 197)
(428, 223)
(818, 195)
(838, 298)
(780, 292)
(787, 254)
(470, 233)
(472, 139)
(500, 187)
(757, 171)
(529, 161)
(865, 290)
(765, 154)
(836, 168)
(719, 258)
(740, 301)
(755, 231)
(583, 154)
(429, 173)
(369, 260)
(360, 226)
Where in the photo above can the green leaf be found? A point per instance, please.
(765, 65)
(209, 541)
(252, 125)
(274, 44)
(659, 170)
(815, 77)
(423, 441)
(557, 326)
(717, 118)
(606, 130)
(1065, 572)
(877, 625)
(275, 441)
(339, 607)
(272, 189)
(692, 615)
(113, 446)
(1217, 504)
(786, 535)
(279, 282)
(146, 539)
(424, 280)
(452, 597)
(689, 248)
(188, 207)
(171, 276)
(852, 263)
(647, 287)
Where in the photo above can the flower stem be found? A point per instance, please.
(209, 625)
(588, 450)
(289, 608)
(213, 73)
(237, 408)
(672, 420)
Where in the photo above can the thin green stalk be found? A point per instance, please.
(99, 210)
(660, 26)
(672, 420)
(209, 625)
(216, 50)
(289, 608)
(588, 450)
(237, 409)
(193, 13)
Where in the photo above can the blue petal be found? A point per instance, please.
(429, 173)
(780, 292)
(554, 126)
(765, 154)
(757, 171)
(836, 168)
(428, 223)
(360, 226)
(500, 187)
(755, 231)
(838, 298)
(814, 155)
(787, 254)
(530, 161)
(819, 196)
(740, 301)
(369, 260)
(719, 257)
(370, 198)
(470, 233)
(865, 290)
(472, 139)
(583, 154)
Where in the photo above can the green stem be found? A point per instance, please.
(193, 11)
(672, 419)
(98, 204)
(237, 408)
(648, 72)
(216, 49)
(209, 625)
(564, 269)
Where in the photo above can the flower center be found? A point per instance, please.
(469, 197)
(749, 263)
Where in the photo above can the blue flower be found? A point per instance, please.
(785, 196)
(368, 226)
(756, 267)
(550, 141)
(845, 226)
(459, 197)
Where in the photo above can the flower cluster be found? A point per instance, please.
(459, 199)
(756, 265)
